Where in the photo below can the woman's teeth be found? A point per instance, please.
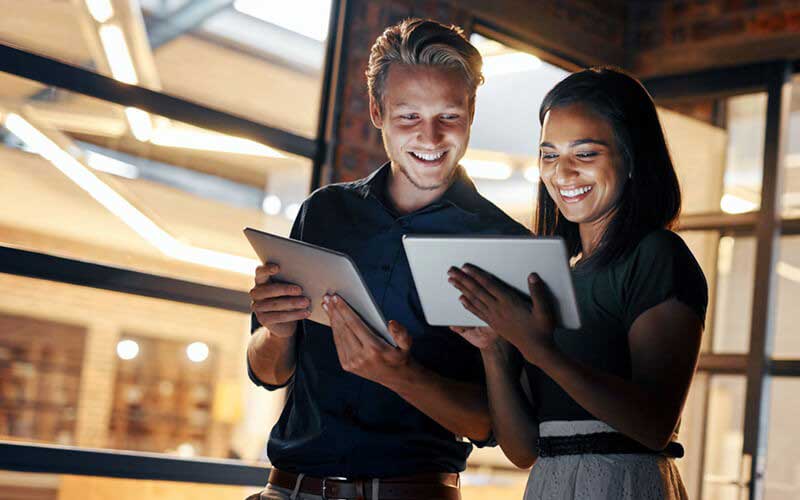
(569, 193)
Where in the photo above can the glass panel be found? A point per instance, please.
(504, 141)
(724, 437)
(718, 149)
(135, 190)
(791, 181)
(728, 263)
(476, 485)
(102, 369)
(27, 485)
(690, 435)
(195, 50)
(787, 342)
(782, 478)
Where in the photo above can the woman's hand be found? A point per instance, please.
(528, 325)
(481, 337)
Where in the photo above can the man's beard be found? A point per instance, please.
(422, 187)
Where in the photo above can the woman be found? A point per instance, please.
(601, 405)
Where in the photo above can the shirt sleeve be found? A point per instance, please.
(661, 268)
(297, 234)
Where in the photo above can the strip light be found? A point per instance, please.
(731, 204)
(481, 169)
(117, 53)
(111, 165)
(119, 206)
(511, 62)
(101, 10)
(140, 124)
(192, 138)
(788, 271)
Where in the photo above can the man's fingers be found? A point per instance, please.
(264, 272)
(354, 323)
(400, 335)
(340, 326)
(270, 290)
(273, 318)
(281, 304)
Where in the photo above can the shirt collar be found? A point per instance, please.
(461, 194)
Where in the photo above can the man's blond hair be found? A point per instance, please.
(419, 42)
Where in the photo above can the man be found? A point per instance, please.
(386, 421)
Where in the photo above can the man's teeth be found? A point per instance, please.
(575, 192)
(428, 156)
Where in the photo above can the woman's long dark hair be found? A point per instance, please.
(651, 198)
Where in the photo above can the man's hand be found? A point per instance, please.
(277, 306)
(360, 351)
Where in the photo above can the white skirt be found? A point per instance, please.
(595, 476)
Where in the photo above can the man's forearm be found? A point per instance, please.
(459, 407)
(271, 358)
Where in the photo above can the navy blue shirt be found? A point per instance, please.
(336, 423)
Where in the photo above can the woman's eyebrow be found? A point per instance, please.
(578, 142)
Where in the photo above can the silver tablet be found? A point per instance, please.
(510, 258)
(319, 271)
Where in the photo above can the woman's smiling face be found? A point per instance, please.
(580, 165)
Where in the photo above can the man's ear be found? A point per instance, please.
(375, 113)
(471, 109)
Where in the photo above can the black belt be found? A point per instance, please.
(603, 443)
(430, 486)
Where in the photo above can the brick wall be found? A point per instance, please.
(675, 36)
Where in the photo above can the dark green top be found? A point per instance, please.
(610, 299)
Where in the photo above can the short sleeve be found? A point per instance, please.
(297, 234)
(661, 268)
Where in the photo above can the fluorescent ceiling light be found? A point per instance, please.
(511, 62)
(111, 165)
(307, 17)
(531, 174)
(139, 121)
(482, 169)
(101, 10)
(119, 206)
(788, 271)
(178, 136)
(731, 204)
(793, 160)
(117, 53)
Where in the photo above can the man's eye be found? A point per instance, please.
(449, 117)
(549, 156)
(408, 117)
(586, 154)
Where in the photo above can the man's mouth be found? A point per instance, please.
(428, 158)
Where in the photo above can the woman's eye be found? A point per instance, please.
(549, 156)
(586, 154)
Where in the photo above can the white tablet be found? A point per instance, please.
(319, 271)
(509, 258)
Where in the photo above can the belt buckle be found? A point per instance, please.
(324, 493)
